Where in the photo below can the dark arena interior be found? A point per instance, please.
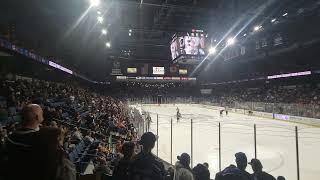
(159, 89)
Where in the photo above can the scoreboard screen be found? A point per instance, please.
(193, 44)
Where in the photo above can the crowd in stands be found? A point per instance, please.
(300, 94)
(51, 126)
(272, 94)
(54, 131)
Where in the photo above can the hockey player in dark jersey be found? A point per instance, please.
(178, 114)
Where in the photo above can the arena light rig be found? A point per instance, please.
(104, 32)
(94, 3)
(230, 41)
(212, 50)
(100, 19)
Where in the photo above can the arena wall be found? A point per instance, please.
(283, 117)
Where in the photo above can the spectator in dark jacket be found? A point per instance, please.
(170, 174)
(241, 160)
(22, 144)
(201, 172)
(258, 174)
(121, 170)
(145, 166)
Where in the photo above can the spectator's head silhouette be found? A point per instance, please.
(241, 160)
(256, 165)
(281, 178)
(128, 149)
(148, 140)
(206, 165)
(184, 159)
(32, 116)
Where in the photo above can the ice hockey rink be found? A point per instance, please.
(276, 143)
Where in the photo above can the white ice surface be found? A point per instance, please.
(276, 147)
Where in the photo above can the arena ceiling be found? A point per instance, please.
(69, 30)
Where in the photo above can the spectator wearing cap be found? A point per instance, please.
(241, 160)
(182, 168)
(145, 166)
(258, 174)
(121, 170)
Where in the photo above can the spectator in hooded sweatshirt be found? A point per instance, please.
(22, 144)
(121, 170)
(258, 174)
(182, 168)
(145, 166)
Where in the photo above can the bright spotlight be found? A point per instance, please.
(130, 30)
(108, 45)
(273, 20)
(104, 31)
(130, 34)
(98, 12)
(230, 41)
(285, 14)
(212, 50)
(256, 28)
(94, 2)
(100, 19)
(245, 34)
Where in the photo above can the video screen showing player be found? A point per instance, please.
(192, 45)
(174, 49)
(188, 45)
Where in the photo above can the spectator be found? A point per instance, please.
(201, 172)
(21, 145)
(102, 168)
(53, 163)
(258, 174)
(121, 170)
(77, 136)
(230, 173)
(170, 173)
(54, 124)
(182, 168)
(233, 172)
(145, 166)
(206, 165)
(281, 178)
(241, 160)
(88, 138)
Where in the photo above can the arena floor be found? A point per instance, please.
(276, 146)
